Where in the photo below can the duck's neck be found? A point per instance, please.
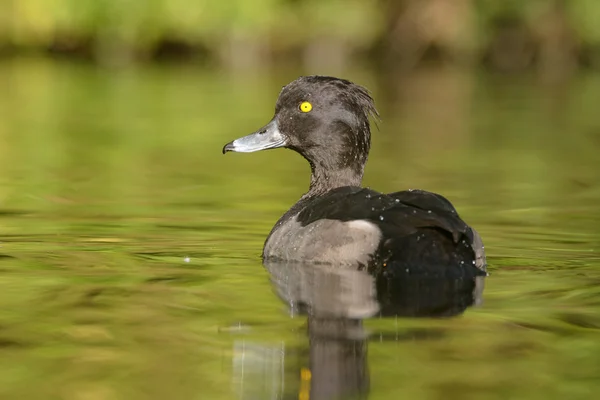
(341, 161)
(327, 175)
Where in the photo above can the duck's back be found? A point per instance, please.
(404, 232)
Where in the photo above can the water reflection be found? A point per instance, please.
(333, 362)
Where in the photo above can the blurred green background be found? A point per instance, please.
(507, 34)
(129, 245)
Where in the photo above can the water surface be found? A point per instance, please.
(129, 246)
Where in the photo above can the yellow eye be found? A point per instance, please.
(305, 106)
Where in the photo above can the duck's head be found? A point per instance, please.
(326, 120)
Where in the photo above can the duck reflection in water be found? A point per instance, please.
(336, 301)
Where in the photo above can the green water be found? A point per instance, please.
(129, 245)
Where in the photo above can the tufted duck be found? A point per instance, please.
(326, 120)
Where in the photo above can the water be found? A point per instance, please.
(129, 246)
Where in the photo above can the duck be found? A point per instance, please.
(337, 222)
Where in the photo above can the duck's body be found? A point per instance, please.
(337, 222)
(411, 230)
